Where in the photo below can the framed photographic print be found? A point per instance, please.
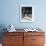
(26, 13)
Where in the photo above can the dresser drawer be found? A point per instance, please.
(13, 33)
(37, 39)
(37, 44)
(34, 33)
(12, 39)
(13, 44)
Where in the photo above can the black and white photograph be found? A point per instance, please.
(26, 14)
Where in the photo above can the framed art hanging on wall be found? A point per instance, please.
(26, 13)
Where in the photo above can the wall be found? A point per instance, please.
(9, 13)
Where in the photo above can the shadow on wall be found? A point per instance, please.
(2, 26)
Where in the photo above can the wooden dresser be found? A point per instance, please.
(23, 38)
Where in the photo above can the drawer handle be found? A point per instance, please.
(11, 38)
(33, 39)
